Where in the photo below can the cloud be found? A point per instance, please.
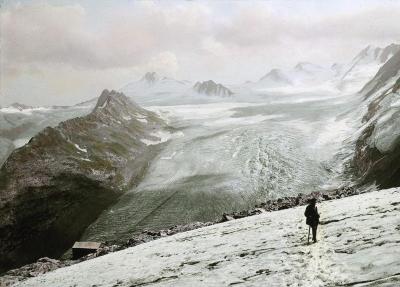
(46, 34)
(221, 40)
(261, 26)
(62, 34)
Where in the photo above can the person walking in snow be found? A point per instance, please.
(312, 216)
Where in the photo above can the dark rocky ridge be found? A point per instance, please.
(52, 188)
(210, 88)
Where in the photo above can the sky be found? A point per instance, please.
(64, 52)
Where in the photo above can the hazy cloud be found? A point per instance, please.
(227, 41)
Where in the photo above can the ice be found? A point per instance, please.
(199, 112)
(162, 136)
(29, 111)
(127, 118)
(358, 243)
(241, 120)
(81, 149)
(169, 157)
(21, 142)
(142, 120)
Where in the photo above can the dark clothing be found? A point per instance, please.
(312, 216)
(314, 232)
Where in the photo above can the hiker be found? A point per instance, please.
(312, 218)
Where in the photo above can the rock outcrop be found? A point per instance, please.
(210, 88)
(52, 188)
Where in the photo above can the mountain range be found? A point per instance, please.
(75, 161)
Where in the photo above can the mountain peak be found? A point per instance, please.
(211, 88)
(276, 76)
(150, 77)
(107, 96)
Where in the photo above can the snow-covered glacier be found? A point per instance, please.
(230, 156)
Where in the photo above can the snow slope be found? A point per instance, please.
(359, 245)
(364, 66)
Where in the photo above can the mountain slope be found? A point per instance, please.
(358, 246)
(377, 153)
(59, 182)
(19, 123)
(364, 66)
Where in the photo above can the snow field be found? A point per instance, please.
(359, 245)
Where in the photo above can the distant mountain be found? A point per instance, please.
(276, 77)
(342, 78)
(210, 88)
(364, 66)
(153, 89)
(150, 78)
(302, 75)
(70, 174)
(19, 106)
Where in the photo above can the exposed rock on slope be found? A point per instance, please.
(210, 88)
(53, 187)
(377, 156)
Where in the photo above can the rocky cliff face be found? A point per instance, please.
(377, 156)
(58, 183)
(210, 88)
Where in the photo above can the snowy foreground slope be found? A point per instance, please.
(359, 245)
